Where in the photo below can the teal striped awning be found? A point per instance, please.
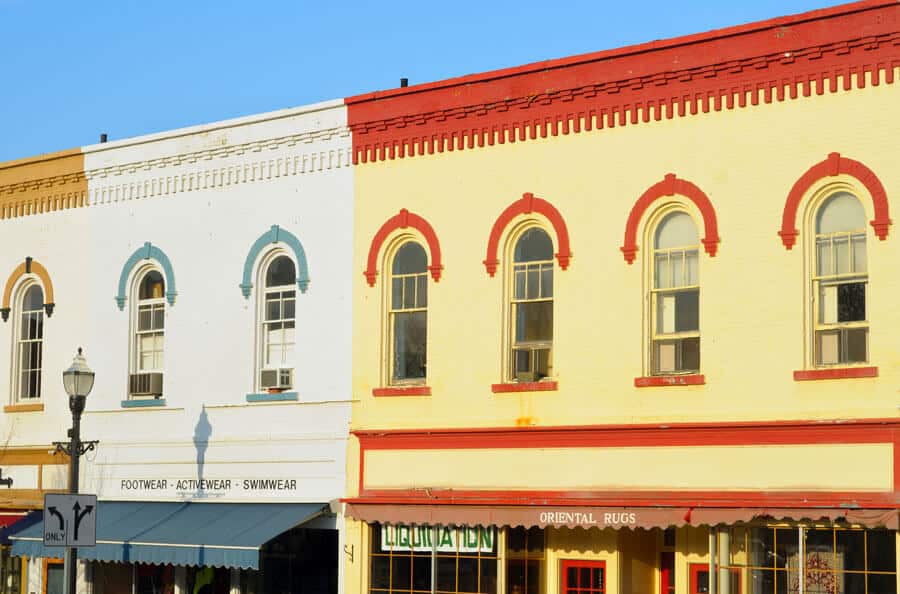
(189, 533)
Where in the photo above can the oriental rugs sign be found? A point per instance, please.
(443, 539)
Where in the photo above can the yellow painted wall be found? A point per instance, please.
(752, 298)
(712, 468)
(53, 181)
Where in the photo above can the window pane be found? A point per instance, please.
(881, 550)
(381, 572)
(828, 304)
(34, 298)
(676, 230)
(692, 267)
(823, 256)
(851, 302)
(289, 309)
(489, 576)
(401, 572)
(532, 286)
(468, 574)
(828, 347)
(677, 259)
(661, 271)
(422, 290)
(519, 282)
(281, 272)
(397, 293)
(152, 286)
(410, 259)
(851, 547)
(159, 316)
(410, 339)
(665, 357)
(840, 212)
(859, 253)
(857, 345)
(534, 322)
(690, 354)
(547, 281)
(841, 254)
(665, 314)
(819, 541)
(882, 584)
(273, 308)
(687, 311)
(144, 319)
(409, 292)
(446, 574)
(422, 573)
(533, 246)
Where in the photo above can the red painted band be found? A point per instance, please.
(834, 373)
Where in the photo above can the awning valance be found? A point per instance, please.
(218, 534)
(604, 517)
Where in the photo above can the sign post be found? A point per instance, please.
(70, 520)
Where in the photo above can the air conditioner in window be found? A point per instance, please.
(276, 379)
(531, 363)
(145, 385)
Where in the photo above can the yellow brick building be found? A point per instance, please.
(624, 321)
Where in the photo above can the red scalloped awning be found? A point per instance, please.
(604, 517)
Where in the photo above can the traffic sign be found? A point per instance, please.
(70, 520)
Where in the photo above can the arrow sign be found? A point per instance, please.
(70, 520)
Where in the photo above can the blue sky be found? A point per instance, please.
(71, 70)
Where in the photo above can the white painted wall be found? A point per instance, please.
(203, 195)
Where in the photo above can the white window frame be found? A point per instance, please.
(815, 281)
(154, 304)
(652, 295)
(510, 303)
(391, 312)
(260, 322)
(18, 315)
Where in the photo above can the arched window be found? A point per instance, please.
(30, 343)
(276, 323)
(148, 339)
(675, 296)
(839, 282)
(408, 314)
(531, 307)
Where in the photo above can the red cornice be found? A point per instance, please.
(835, 165)
(731, 68)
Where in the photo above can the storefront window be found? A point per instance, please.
(835, 560)
(10, 572)
(464, 558)
(524, 560)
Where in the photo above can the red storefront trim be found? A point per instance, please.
(834, 373)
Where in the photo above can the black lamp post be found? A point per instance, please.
(78, 380)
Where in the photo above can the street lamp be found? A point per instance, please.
(78, 380)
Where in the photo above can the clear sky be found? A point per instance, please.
(70, 69)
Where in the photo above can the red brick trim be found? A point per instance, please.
(834, 165)
(694, 379)
(669, 186)
(771, 61)
(524, 387)
(403, 391)
(528, 204)
(403, 220)
(834, 373)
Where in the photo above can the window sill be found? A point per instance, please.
(402, 391)
(149, 403)
(827, 373)
(653, 381)
(550, 386)
(273, 397)
(15, 408)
